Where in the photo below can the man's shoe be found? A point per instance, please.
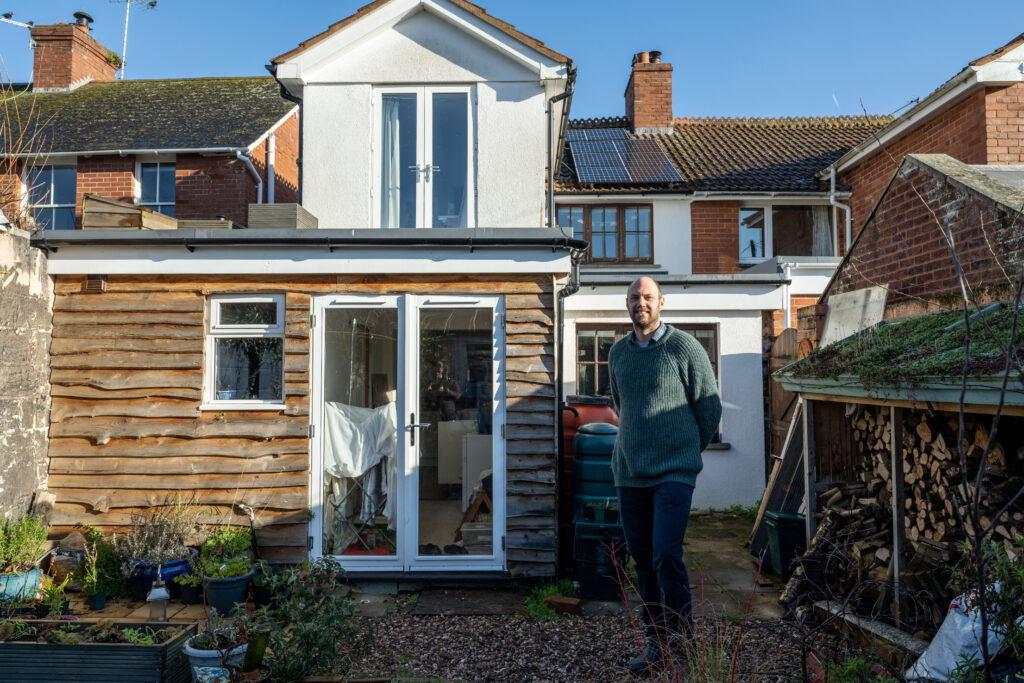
(650, 659)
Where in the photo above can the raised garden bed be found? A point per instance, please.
(24, 658)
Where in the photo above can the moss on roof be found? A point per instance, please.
(159, 114)
(902, 351)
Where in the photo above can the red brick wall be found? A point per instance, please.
(66, 54)
(207, 187)
(286, 167)
(649, 96)
(796, 302)
(903, 246)
(112, 177)
(958, 132)
(715, 237)
(1004, 124)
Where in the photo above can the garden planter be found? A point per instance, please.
(99, 662)
(43, 610)
(198, 659)
(223, 594)
(142, 578)
(97, 601)
(19, 586)
(191, 595)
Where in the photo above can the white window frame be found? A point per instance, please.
(29, 167)
(424, 145)
(767, 245)
(137, 183)
(216, 330)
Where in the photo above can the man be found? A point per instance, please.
(665, 392)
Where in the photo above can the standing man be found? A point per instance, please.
(665, 392)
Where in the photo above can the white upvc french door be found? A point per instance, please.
(424, 157)
(408, 454)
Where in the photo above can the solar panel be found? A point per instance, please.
(622, 161)
(578, 134)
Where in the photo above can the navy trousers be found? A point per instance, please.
(654, 520)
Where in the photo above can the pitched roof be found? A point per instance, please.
(742, 154)
(189, 113)
(475, 10)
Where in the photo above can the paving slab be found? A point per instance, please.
(470, 601)
(372, 604)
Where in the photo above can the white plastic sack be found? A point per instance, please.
(958, 637)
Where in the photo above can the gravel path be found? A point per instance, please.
(516, 648)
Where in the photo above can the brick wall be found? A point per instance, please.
(649, 95)
(207, 187)
(112, 177)
(65, 54)
(904, 247)
(796, 302)
(715, 236)
(286, 167)
(1004, 124)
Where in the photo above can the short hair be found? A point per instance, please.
(657, 285)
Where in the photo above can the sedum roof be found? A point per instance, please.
(741, 154)
(160, 114)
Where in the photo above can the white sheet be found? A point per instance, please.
(356, 440)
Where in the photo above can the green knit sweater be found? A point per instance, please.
(666, 396)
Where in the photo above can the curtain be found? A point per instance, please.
(391, 179)
(822, 243)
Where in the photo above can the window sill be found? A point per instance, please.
(720, 446)
(229, 405)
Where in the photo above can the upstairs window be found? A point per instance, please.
(51, 196)
(616, 233)
(155, 186)
(768, 231)
(245, 350)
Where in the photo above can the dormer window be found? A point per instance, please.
(425, 163)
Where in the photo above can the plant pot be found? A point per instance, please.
(141, 580)
(97, 601)
(19, 585)
(205, 658)
(43, 610)
(191, 595)
(258, 641)
(224, 594)
(261, 595)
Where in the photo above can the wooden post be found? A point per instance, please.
(898, 534)
(809, 478)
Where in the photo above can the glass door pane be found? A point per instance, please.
(456, 459)
(360, 426)
(399, 174)
(450, 159)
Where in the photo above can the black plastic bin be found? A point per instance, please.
(597, 549)
(786, 540)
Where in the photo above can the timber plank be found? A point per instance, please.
(529, 431)
(126, 318)
(540, 471)
(177, 482)
(294, 462)
(170, 447)
(296, 388)
(127, 331)
(530, 555)
(73, 514)
(530, 377)
(531, 446)
(529, 316)
(513, 388)
(526, 404)
(102, 429)
(163, 301)
(284, 554)
(100, 499)
(517, 301)
(519, 350)
(529, 462)
(66, 345)
(531, 506)
(511, 339)
(526, 328)
(530, 364)
(535, 523)
(529, 488)
(282, 535)
(125, 379)
(514, 417)
(99, 360)
(530, 540)
(296, 362)
(57, 390)
(64, 408)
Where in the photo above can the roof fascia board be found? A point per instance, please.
(980, 390)
(128, 152)
(273, 128)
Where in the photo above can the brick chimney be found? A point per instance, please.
(66, 56)
(649, 94)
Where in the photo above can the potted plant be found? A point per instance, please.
(53, 601)
(100, 570)
(96, 597)
(221, 643)
(226, 561)
(262, 583)
(21, 545)
(156, 542)
(190, 587)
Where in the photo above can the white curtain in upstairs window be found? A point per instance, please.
(391, 179)
(821, 244)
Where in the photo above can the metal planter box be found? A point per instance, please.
(100, 662)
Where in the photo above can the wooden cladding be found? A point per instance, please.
(127, 433)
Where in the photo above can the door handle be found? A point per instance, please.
(413, 426)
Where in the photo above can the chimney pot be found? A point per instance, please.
(655, 56)
(641, 58)
(82, 18)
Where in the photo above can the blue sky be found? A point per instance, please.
(794, 57)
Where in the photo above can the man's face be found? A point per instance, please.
(644, 302)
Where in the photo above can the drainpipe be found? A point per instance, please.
(844, 207)
(571, 287)
(271, 153)
(551, 141)
(254, 173)
(787, 302)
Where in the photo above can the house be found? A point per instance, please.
(381, 388)
(197, 148)
(729, 216)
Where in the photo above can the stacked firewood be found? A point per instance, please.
(851, 556)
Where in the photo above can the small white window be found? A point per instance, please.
(51, 196)
(245, 351)
(154, 185)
